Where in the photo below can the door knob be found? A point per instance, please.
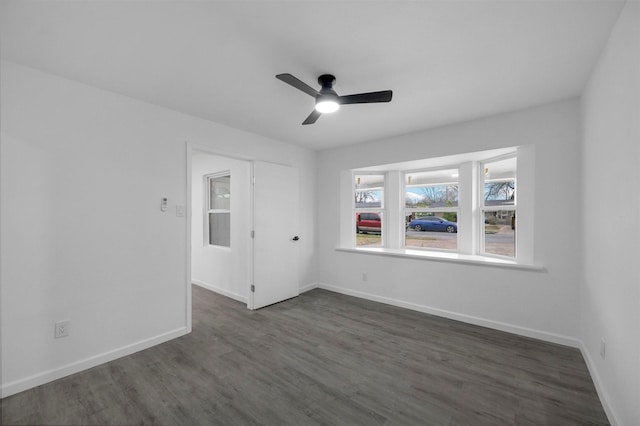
(296, 238)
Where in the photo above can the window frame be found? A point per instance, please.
(483, 209)
(409, 210)
(379, 210)
(207, 210)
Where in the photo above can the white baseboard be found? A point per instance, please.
(597, 382)
(222, 291)
(20, 385)
(308, 287)
(496, 325)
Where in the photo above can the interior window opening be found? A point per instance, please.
(218, 212)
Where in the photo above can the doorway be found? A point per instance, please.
(257, 263)
(220, 223)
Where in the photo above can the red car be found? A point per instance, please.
(368, 223)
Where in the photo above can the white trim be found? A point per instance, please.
(252, 240)
(221, 291)
(467, 202)
(496, 325)
(600, 390)
(347, 209)
(84, 364)
(308, 287)
(187, 211)
(443, 256)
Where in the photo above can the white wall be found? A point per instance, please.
(541, 304)
(83, 237)
(610, 298)
(222, 269)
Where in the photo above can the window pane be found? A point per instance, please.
(438, 230)
(499, 232)
(499, 193)
(432, 189)
(220, 229)
(369, 229)
(368, 191)
(500, 182)
(220, 193)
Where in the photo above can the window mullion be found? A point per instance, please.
(393, 233)
(467, 203)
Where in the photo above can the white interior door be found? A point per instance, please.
(275, 225)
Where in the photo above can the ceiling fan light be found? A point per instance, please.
(327, 106)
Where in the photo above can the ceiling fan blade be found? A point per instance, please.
(366, 98)
(312, 118)
(300, 85)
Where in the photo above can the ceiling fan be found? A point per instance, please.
(327, 100)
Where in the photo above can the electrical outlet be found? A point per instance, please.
(603, 348)
(364, 276)
(61, 329)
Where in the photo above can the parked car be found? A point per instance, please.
(433, 223)
(368, 223)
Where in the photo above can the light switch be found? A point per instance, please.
(179, 211)
(164, 203)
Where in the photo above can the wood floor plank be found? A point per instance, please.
(323, 359)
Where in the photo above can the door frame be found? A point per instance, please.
(190, 149)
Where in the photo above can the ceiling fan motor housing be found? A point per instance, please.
(326, 81)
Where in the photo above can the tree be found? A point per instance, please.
(439, 194)
(500, 190)
(364, 196)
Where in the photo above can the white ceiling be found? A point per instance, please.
(446, 61)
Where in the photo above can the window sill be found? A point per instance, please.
(444, 257)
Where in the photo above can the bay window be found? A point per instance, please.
(468, 207)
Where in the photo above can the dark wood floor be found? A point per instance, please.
(323, 358)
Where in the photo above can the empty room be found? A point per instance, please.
(320, 212)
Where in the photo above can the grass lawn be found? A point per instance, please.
(370, 239)
(367, 239)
